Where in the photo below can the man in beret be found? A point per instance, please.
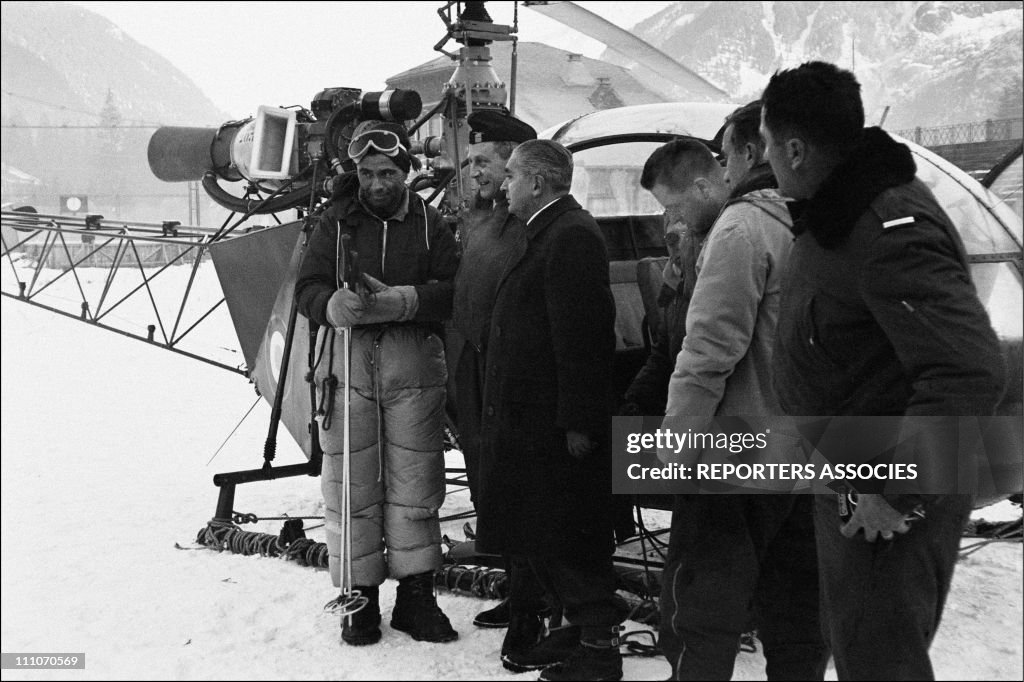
(489, 235)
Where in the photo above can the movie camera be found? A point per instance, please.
(288, 155)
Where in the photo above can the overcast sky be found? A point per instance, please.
(243, 54)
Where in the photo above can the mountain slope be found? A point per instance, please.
(934, 63)
(62, 54)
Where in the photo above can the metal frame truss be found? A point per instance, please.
(40, 252)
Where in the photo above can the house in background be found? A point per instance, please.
(18, 186)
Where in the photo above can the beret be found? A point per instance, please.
(491, 125)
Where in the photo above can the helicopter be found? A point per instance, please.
(292, 159)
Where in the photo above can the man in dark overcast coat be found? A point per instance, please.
(545, 466)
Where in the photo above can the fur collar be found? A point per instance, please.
(875, 164)
(758, 177)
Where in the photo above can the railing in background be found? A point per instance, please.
(963, 133)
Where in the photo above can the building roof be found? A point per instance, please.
(16, 176)
(550, 88)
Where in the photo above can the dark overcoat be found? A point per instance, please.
(549, 371)
(489, 238)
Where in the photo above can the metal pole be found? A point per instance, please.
(351, 600)
(270, 446)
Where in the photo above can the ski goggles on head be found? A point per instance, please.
(384, 141)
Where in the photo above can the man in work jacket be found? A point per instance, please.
(408, 258)
(730, 554)
(648, 391)
(879, 317)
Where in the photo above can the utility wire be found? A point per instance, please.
(76, 111)
(233, 431)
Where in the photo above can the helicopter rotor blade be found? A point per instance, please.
(631, 47)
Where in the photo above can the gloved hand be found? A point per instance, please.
(389, 304)
(345, 309)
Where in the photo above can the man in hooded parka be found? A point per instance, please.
(408, 258)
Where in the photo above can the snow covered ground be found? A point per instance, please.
(105, 445)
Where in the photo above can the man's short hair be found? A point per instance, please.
(548, 159)
(504, 149)
(746, 124)
(817, 100)
(678, 163)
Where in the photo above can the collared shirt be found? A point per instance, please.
(542, 209)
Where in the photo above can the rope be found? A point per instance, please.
(291, 543)
(240, 518)
(478, 581)
(306, 552)
(223, 535)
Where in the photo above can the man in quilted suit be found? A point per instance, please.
(408, 259)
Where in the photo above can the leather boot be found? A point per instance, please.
(596, 658)
(553, 648)
(524, 632)
(363, 626)
(416, 611)
(526, 608)
(497, 617)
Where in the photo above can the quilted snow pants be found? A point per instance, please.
(398, 377)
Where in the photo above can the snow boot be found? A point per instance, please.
(557, 646)
(596, 658)
(498, 617)
(416, 611)
(363, 626)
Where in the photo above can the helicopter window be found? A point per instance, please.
(973, 211)
(606, 180)
(1008, 186)
(999, 289)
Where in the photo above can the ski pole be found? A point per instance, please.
(351, 600)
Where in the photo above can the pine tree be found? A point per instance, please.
(111, 136)
(108, 175)
(1010, 102)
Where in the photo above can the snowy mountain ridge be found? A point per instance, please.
(933, 62)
